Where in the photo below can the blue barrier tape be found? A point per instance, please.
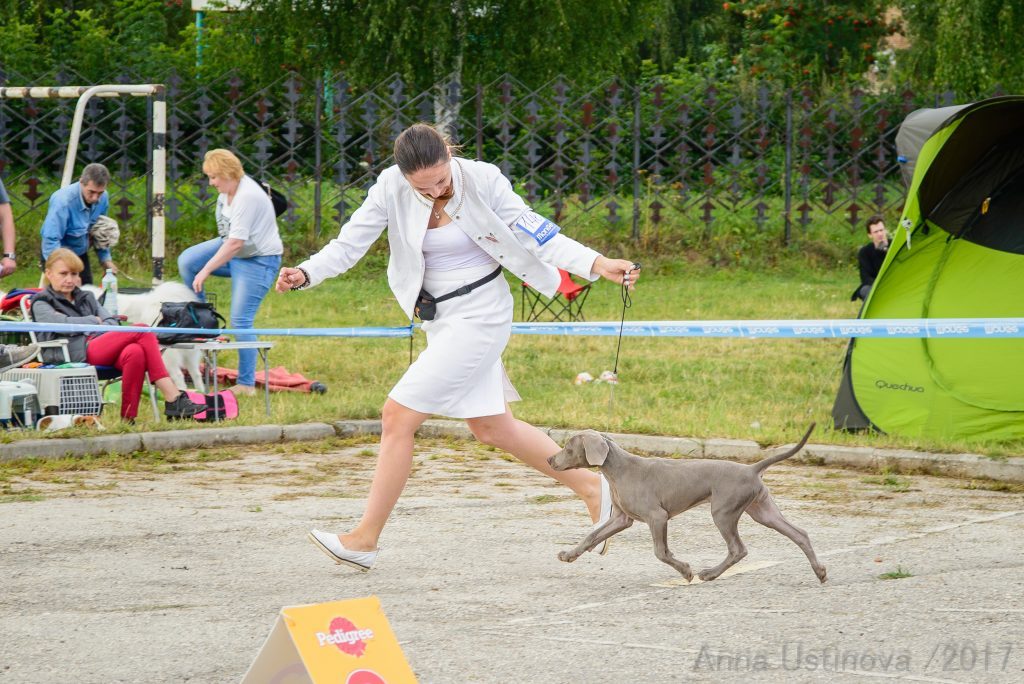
(951, 328)
(792, 329)
(22, 326)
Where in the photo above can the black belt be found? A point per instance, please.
(426, 303)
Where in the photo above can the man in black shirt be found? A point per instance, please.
(871, 256)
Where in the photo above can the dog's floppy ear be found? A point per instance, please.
(595, 447)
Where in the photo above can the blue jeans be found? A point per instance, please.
(251, 279)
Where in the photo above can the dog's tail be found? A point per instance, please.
(760, 466)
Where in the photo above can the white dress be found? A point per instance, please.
(460, 373)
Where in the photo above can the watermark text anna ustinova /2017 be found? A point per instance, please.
(794, 656)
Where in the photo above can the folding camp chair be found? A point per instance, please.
(566, 305)
(10, 310)
(105, 374)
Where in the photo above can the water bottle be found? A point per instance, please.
(110, 292)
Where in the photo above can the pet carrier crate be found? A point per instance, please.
(18, 404)
(70, 391)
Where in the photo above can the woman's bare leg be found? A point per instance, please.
(533, 447)
(167, 388)
(394, 462)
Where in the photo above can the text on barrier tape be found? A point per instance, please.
(951, 328)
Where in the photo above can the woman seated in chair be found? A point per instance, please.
(134, 353)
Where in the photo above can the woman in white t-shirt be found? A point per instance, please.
(454, 226)
(248, 250)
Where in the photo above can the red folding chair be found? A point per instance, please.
(10, 310)
(566, 305)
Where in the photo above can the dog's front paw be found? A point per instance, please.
(707, 575)
(567, 556)
(821, 573)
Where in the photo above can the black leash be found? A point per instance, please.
(627, 302)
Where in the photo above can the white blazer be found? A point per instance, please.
(484, 207)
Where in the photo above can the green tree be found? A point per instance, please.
(972, 46)
(92, 38)
(80, 40)
(23, 53)
(690, 30)
(795, 41)
(140, 27)
(472, 40)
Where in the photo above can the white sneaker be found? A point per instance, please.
(12, 356)
(331, 545)
(606, 514)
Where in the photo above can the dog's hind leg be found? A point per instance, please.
(658, 523)
(765, 511)
(726, 520)
(172, 360)
(618, 522)
(192, 358)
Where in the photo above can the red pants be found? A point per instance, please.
(134, 354)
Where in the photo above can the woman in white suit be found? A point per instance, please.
(453, 224)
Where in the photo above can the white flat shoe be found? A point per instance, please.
(332, 546)
(606, 514)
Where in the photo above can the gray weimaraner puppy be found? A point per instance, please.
(656, 489)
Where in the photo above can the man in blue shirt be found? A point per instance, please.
(72, 212)
(7, 264)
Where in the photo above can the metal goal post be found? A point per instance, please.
(158, 149)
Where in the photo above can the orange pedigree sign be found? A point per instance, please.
(348, 642)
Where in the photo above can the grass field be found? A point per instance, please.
(767, 390)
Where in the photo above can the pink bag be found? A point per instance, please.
(220, 406)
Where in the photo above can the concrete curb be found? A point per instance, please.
(861, 458)
(164, 441)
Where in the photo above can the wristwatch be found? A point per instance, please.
(9, 255)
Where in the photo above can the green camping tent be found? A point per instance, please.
(958, 253)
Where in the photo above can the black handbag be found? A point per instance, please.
(188, 315)
(426, 303)
(277, 198)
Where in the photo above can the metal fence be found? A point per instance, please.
(657, 154)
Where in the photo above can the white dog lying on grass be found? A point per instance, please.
(145, 308)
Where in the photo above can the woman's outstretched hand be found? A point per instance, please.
(619, 271)
(289, 278)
